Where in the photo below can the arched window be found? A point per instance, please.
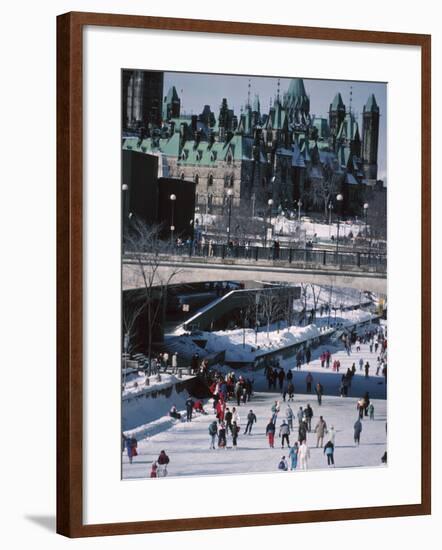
(210, 180)
(196, 179)
(231, 181)
(182, 176)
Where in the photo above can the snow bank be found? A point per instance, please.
(148, 413)
(136, 384)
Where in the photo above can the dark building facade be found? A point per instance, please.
(139, 187)
(178, 213)
(146, 197)
(142, 93)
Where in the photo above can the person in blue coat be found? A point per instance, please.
(293, 456)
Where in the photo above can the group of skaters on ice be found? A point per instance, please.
(240, 389)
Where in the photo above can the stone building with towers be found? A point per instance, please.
(283, 152)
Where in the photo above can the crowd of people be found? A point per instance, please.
(297, 431)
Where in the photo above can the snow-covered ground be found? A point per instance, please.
(246, 345)
(187, 444)
(322, 231)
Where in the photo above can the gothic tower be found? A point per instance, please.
(297, 104)
(142, 91)
(336, 117)
(370, 138)
(171, 104)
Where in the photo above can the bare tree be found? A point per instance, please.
(315, 293)
(144, 248)
(130, 314)
(325, 187)
(270, 306)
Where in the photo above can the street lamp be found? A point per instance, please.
(270, 204)
(172, 211)
(330, 208)
(339, 198)
(365, 215)
(299, 204)
(229, 198)
(125, 189)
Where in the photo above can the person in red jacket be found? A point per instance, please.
(153, 471)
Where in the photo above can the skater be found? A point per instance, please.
(303, 455)
(371, 411)
(320, 430)
(235, 416)
(357, 431)
(328, 451)
(361, 363)
(293, 456)
(308, 414)
(332, 435)
(189, 409)
(238, 393)
(163, 460)
(289, 415)
(270, 433)
(300, 415)
(302, 431)
(361, 407)
(228, 419)
(213, 432)
(309, 382)
(282, 465)
(198, 407)
(154, 470)
(291, 391)
(366, 403)
(251, 419)
(327, 358)
(319, 391)
(367, 369)
(308, 356)
(131, 447)
(173, 413)
(235, 432)
(281, 377)
(284, 432)
(222, 436)
(275, 410)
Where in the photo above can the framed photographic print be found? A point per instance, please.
(243, 246)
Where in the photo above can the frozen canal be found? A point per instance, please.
(187, 444)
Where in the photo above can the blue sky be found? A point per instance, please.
(197, 90)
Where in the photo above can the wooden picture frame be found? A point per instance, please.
(70, 271)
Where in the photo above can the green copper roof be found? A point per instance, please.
(172, 94)
(296, 88)
(338, 104)
(193, 153)
(371, 105)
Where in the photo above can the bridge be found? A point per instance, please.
(364, 271)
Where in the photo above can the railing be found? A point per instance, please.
(360, 260)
